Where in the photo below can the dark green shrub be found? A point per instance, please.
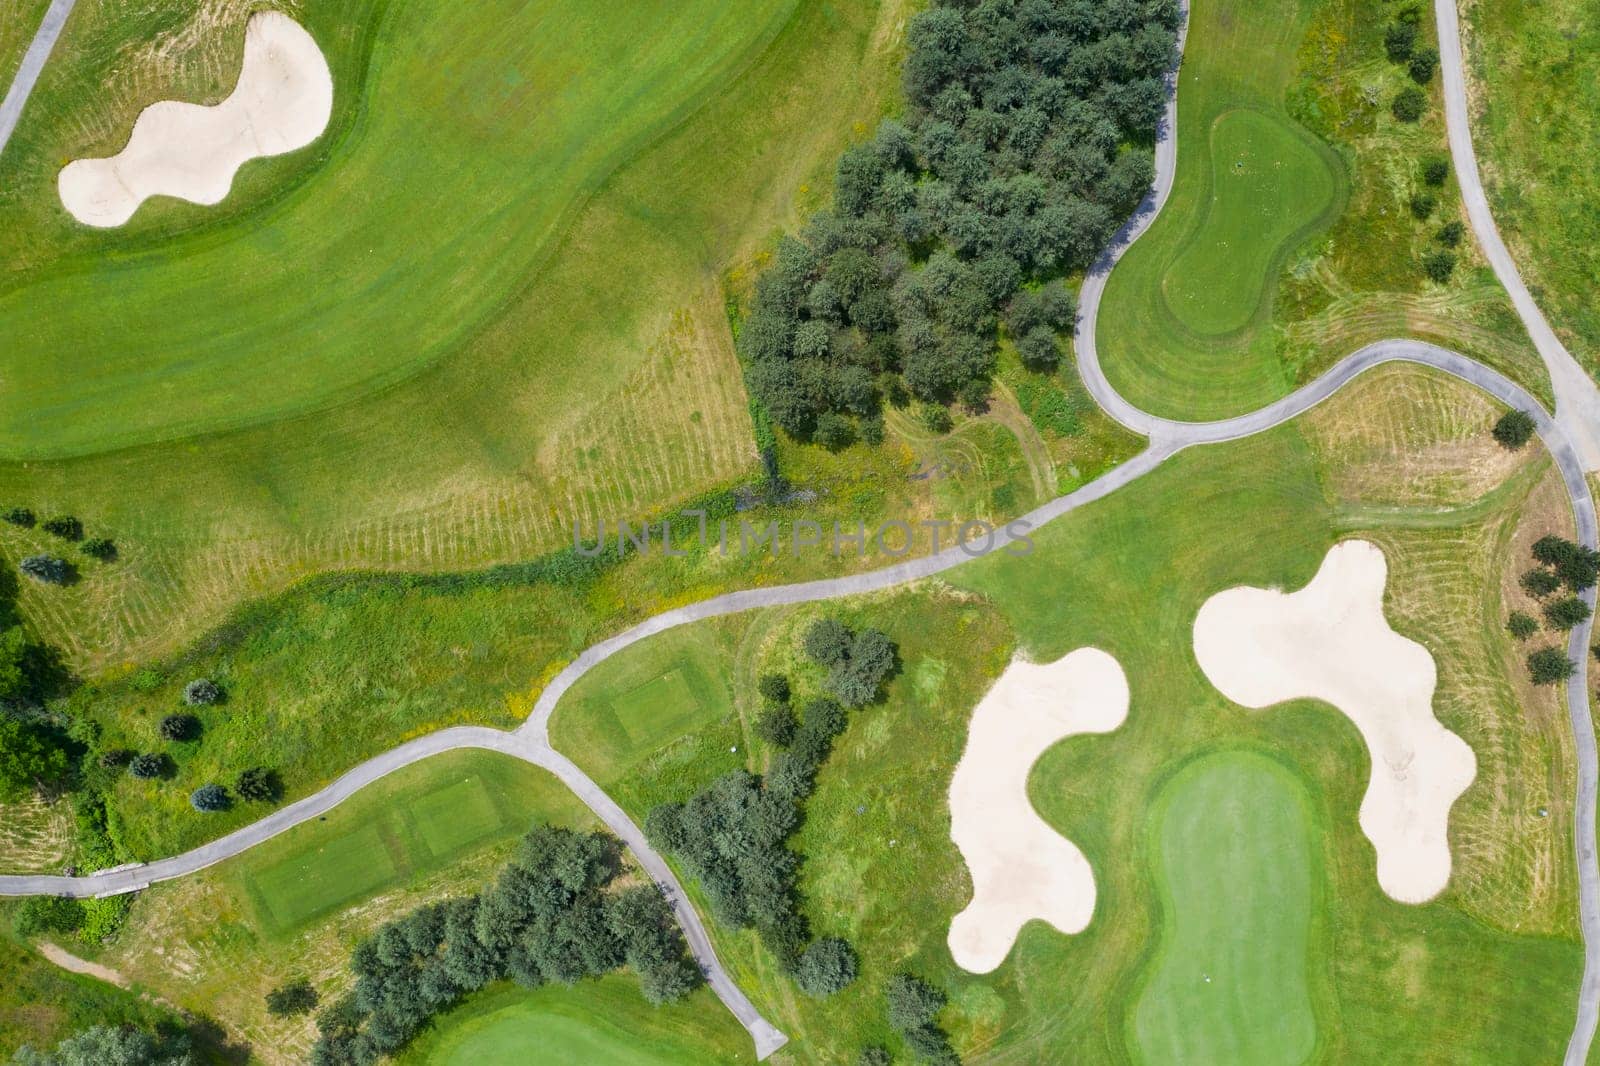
(100, 548)
(1039, 349)
(258, 784)
(974, 395)
(773, 687)
(777, 724)
(296, 997)
(210, 799)
(1450, 234)
(1565, 613)
(178, 727)
(20, 516)
(1439, 265)
(1409, 104)
(147, 767)
(828, 642)
(936, 418)
(826, 967)
(1514, 429)
(64, 526)
(1399, 40)
(1522, 625)
(1547, 666)
(117, 758)
(1435, 171)
(1422, 205)
(1540, 582)
(47, 914)
(1423, 62)
(834, 431)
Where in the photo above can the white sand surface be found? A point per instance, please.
(282, 102)
(1021, 868)
(1331, 642)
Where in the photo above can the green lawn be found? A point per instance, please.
(1289, 240)
(603, 1021)
(1233, 859)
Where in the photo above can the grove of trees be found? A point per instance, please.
(1021, 150)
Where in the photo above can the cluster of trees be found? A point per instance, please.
(1401, 40)
(113, 1045)
(548, 918)
(32, 753)
(1012, 166)
(1563, 571)
(914, 1007)
(52, 569)
(733, 835)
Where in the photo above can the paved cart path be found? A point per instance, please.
(1571, 434)
(33, 60)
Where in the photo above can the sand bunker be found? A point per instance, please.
(282, 102)
(1330, 641)
(1021, 868)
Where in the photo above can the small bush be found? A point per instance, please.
(1514, 429)
(20, 516)
(1424, 61)
(1522, 625)
(1565, 613)
(210, 799)
(834, 431)
(47, 914)
(1422, 205)
(1399, 41)
(202, 692)
(177, 727)
(774, 687)
(1450, 234)
(147, 680)
(296, 997)
(872, 430)
(1435, 171)
(1409, 104)
(875, 1055)
(100, 548)
(258, 784)
(1540, 582)
(116, 758)
(147, 767)
(1039, 349)
(50, 569)
(936, 419)
(64, 526)
(826, 967)
(777, 725)
(1439, 265)
(1548, 666)
(974, 395)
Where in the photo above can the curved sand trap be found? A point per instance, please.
(1021, 868)
(1330, 642)
(282, 102)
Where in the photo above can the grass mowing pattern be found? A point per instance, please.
(1231, 836)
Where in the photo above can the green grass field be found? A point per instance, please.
(1233, 854)
(603, 1021)
(575, 360)
(1536, 118)
(1288, 241)
(1483, 975)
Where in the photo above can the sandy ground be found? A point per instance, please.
(1331, 642)
(283, 102)
(68, 961)
(1021, 868)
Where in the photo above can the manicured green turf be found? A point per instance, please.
(604, 1021)
(661, 707)
(400, 831)
(1233, 859)
(1267, 180)
(1184, 326)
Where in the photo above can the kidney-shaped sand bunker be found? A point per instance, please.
(282, 102)
(1331, 642)
(1022, 869)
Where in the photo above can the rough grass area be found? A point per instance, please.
(592, 371)
(1238, 866)
(1289, 240)
(1534, 83)
(603, 1021)
(1482, 975)
(206, 944)
(18, 23)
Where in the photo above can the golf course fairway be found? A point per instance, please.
(1231, 840)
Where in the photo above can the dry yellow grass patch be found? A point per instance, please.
(35, 835)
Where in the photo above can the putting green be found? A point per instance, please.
(1265, 182)
(1232, 839)
(483, 126)
(1187, 313)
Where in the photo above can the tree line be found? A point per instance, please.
(1021, 150)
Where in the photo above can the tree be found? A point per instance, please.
(1577, 567)
(1399, 39)
(16, 664)
(1435, 171)
(258, 784)
(50, 569)
(1540, 582)
(148, 766)
(871, 659)
(179, 727)
(1439, 264)
(1039, 349)
(828, 642)
(29, 758)
(1521, 625)
(64, 526)
(936, 418)
(1565, 613)
(108, 1045)
(1409, 104)
(834, 432)
(296, 997)
(201, 692)
(1450, 234)
(777, 725)
(826, 967)
(20, 516)
(117, 758)
(210, 798)
(1424, 61)
(100, 548)
(1422, 205)
(1547, 666)
(1514, 429)
(773, 688)
(912, 1001)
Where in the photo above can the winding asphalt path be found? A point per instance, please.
(1570, 436)
(33, 60)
